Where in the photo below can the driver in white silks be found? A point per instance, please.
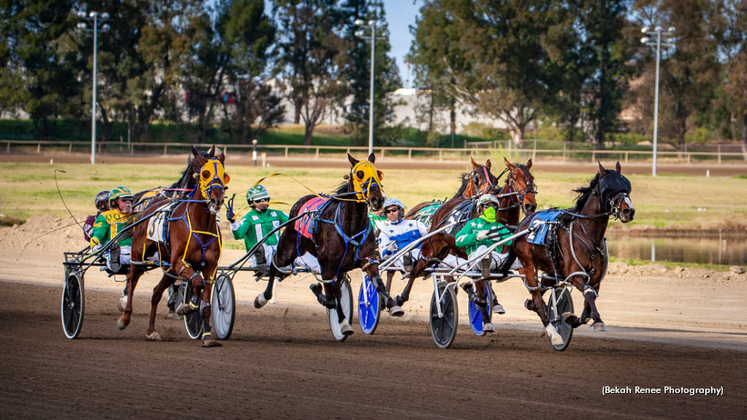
(399, 233)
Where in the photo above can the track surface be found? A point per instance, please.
(282, 363)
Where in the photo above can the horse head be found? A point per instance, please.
(482, 181)
(212, 178)
(365, 181)
(521, 182)
(613, 191)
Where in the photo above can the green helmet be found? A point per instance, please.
(119, 192)
(259, 192)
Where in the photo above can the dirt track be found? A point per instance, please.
(281, 363)
(386, 163)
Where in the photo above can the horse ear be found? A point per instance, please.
(602, 171)
(372, 157)
(222, 157)
(529, 164)
(618, 168)
(353, 161)
(475, 166)
(509, 165)
(195, 152)
(488, 164)
(211, 153)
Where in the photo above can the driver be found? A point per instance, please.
(109, 223)
(257, 224)
(480, 233)
(102, 204)
(399, 233)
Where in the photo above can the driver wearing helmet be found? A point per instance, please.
(480, 233)
(398, 232)
(102, 204)
(109, 223)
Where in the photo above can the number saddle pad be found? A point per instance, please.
(158, 229)
(307, 225)
(543, 221)
(460, 214)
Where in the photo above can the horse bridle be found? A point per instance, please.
(476, 183)
(514, 192)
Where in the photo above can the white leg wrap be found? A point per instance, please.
(555, 338)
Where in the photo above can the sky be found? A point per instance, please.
(400, 15)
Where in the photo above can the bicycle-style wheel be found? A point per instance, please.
(346, 301)
(369, 306)
(475, 314)
(73, 304)
(565, 304)
(192, 320)
(444, 328)
(223, 307)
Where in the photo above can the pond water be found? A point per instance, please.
(727, 251)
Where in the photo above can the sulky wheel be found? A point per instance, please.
(73, 304)
(223, 307)
(475, 314)
(444, 328)
(369, 306)
(192, 320)
(565, 304)
(347, 307)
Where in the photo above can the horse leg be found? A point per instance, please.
(590, 308)
(417, 269)
(285, 255)
(132, 278)
(162, 285)
(538, 305)
(334, 290)
(372, 271)
(206, 314)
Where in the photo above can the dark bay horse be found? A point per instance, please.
(191, 247)
(579, 250)
(516, 195)
(341, 237)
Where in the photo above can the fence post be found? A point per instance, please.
(7, 149)
(70, 148)
(39, 146)
(440, 155)
(719, 154)
(626, 157)
(164, 148)
(317, 153)
(593, 155)
(409, 154)
(382, 153)
(286, 152)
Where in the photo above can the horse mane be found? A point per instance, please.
(342, 188)
(584, 193)
(466, 178)
(186, 181)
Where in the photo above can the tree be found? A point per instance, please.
(311, 57)
(731, 33)
(39, 68)
(357, 96)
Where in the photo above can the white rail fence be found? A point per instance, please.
(410, 153)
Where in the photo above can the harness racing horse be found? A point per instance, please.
(516, 195)
(189, 249)
(578, 251)
(338, 232)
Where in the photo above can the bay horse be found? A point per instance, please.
(191, 247)
(579, 247)
(515, 196)
(340, 236)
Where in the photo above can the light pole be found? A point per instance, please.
(657, 42)
(372, 26)
(254, 151)
(95, 18)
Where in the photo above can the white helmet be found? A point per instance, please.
(394, 202)
(487, 198)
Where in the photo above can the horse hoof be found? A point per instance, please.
(121, 325)
(154, 336)
(396, 311)
(345, 328)
(260, 301)
(599, 326)
(211, 343)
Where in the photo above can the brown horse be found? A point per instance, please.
(579, 248)
(191, 248)
(516, 195)
(342, 239)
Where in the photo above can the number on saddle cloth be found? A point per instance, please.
(157, 226)
(542, 222)
(307, 225)
(460, 214)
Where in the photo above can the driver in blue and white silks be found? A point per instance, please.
(398, 233)
(258, 223)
